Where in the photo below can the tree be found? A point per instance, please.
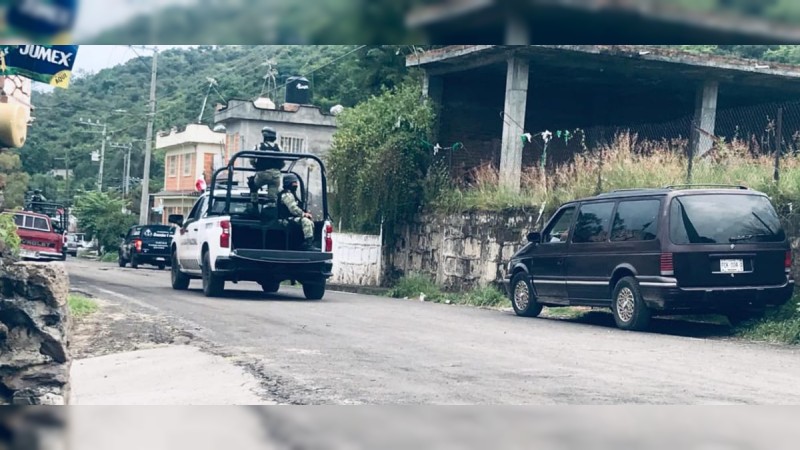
(13, 182)
(100, 215)
(380, 158)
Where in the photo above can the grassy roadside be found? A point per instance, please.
(80, 306)
(780, 326)
(109, 257)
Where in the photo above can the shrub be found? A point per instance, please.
(380, 158)
(488, 296)
(9, 236)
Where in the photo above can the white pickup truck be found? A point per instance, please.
(226, 237)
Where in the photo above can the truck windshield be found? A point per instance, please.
(724, 219)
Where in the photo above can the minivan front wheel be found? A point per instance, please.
(522, 297)
(630, 311)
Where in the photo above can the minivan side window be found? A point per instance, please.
(558, 231)
(593, 223)
(636, 220)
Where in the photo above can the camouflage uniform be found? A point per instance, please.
(290, 202)
(268, 171)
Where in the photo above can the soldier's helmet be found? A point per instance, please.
(289, 182)
(269, 134)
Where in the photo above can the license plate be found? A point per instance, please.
(161, 259)
(731, 265)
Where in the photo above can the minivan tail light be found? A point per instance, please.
(667, 266)
(138, 244)
(787, 261)
(328, 237)
(225, 235)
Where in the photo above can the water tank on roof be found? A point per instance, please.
(298, 90)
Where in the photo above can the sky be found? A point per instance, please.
(94, 58)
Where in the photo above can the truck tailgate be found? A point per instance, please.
(281, 256)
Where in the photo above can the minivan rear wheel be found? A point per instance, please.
(523, 298)
(630, 311)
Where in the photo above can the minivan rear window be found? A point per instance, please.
(723, 219)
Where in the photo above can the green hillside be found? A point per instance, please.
(119, 96)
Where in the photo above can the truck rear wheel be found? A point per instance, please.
(213, 285)
(314, 290)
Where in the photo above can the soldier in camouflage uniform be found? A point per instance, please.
(268, 171)
(290, 206)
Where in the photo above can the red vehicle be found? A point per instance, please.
(40, 241)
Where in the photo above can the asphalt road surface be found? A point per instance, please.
(357, 349)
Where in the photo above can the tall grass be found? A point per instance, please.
(623, 164)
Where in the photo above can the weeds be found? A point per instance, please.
(80, 306)
(781, 326)
(418, 286)
(109, 257)
(624, 163)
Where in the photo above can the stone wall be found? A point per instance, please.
(34, 334)
(460, 251)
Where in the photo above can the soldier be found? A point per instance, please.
(268, 170)
(290, 208)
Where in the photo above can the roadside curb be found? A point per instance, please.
(364, 290)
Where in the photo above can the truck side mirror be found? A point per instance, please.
(535, 237)
(176, 219)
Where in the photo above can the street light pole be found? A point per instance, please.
(144, 206)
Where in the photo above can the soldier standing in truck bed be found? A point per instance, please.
(268, 170)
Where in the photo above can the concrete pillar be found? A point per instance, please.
(514, 122)
(432, 87)
(517, 31)
(705, 117)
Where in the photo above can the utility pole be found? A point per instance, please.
(102, 148)
(144, 206)
(126, 167)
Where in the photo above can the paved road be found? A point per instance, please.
(355, 349)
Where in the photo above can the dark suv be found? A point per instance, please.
(676, 250)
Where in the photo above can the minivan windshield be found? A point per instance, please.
(724, 219)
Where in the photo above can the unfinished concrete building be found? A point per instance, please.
(489, 96)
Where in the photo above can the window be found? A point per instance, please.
(41, 224)
(172, 165)
(723, 219)
(593, 223)
(291, 144)
(19, 219)
(28, 222)
(558, 232)
(636, 220)
(187, 164)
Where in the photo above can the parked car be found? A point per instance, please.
(147, 244)
(39, 240)
(676, 250)
(76, 242)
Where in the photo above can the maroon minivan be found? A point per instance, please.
(676, 250)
